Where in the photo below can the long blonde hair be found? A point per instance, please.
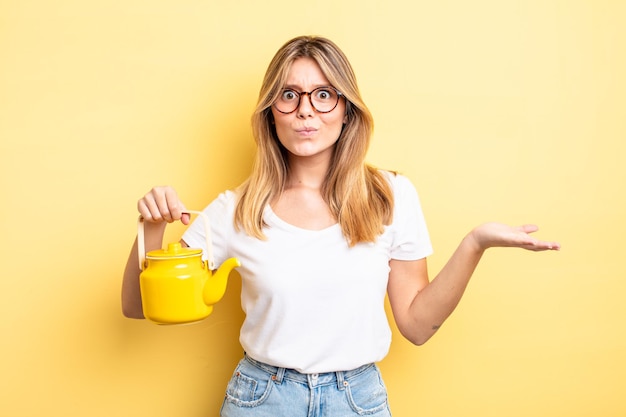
(359, 196)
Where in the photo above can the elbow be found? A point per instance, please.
(132, 314)
(419, 337)
(418, 340)
(132, 305)
(132, 311)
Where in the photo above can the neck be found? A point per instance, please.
(307, 172)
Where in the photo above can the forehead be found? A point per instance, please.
(305, 72)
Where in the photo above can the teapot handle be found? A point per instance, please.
(141, 246)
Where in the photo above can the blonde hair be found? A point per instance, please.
(359, 196)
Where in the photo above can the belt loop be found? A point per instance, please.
(280, 374)
(341, 382)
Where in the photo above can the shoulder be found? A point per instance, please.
(227, 197)
(224, 202)
(399, 183)
(405, 195)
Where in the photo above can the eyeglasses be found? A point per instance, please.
(322, 99)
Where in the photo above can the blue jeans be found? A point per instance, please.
(260, 390)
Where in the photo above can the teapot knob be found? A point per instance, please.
(174, 247)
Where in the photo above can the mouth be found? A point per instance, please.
(306, 131)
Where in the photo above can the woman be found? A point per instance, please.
(322, 238)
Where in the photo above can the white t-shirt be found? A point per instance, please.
(313, 303)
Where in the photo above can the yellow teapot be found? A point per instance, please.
(176, 285)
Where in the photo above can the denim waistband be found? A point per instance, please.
(340, 378)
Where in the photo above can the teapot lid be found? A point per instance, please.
(174, 250)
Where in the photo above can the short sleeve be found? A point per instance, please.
(220, 212)
(411, 240)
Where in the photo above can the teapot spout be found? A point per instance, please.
(215, 287)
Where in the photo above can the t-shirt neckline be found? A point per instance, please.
(272, 218)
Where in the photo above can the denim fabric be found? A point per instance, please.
(260, 390)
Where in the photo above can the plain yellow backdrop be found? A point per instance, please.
(511, 111)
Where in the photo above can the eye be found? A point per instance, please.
(289, 95)
(325, 93)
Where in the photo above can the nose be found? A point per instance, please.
(305, 108)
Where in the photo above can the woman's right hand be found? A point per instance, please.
(162, 204)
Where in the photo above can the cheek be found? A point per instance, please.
(280, 128)
(336, 129)
(336, 123)
(279, 125)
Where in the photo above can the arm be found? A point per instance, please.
(159, 207)
(420, 307)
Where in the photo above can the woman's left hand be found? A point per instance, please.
(491, 235)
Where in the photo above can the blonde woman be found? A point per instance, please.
(322, 238)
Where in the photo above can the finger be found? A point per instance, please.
(157, 203)
(549, 245)
(149, 209)
(174, 205)
(541, 245)
(538, 245)
(143, 210)
(528, 228)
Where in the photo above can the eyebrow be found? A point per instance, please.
(298, 88)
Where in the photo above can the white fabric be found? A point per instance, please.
(312, 303)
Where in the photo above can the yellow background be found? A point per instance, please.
(497, 110)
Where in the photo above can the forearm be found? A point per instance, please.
(131, 294)
(436, 302)
(420, 307)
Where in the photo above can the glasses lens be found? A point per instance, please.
(324, 99)
(288, 101)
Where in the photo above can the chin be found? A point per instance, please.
(304, 152)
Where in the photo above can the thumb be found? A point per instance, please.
(528, 228)
(185, 218)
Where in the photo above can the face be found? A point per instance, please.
(306, 132)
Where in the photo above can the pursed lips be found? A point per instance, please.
(306, 131)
